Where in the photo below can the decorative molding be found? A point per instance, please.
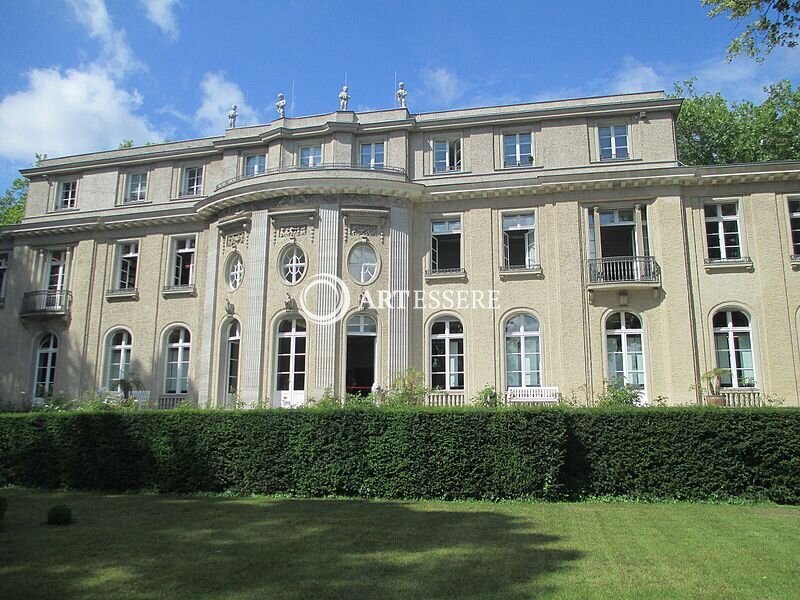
(292, 224)
(233, 241)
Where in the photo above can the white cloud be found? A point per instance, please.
(635, 76)
(69, 113)
(116, 56)
(162, 14)
(441, 86)
(211, 118)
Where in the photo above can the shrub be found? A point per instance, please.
(618, 393)
(60, 514)
(488, 397)
(3, 506)
(407, 389)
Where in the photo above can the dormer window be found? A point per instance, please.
(613, 142)
(517, 150)
(67, 195)
(446, 155)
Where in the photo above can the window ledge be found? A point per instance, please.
(794, 260)
(534, 272)
(122, 294)
(446, 275)
(505, 169)
(179, 290)
(188, 196)
(605, 161)
(446, 173)
(65, 210)
(729, 264)
(134, 202)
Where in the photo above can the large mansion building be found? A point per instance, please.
(554, 245)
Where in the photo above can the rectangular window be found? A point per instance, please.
(67, 195)
(519, 241)
(255, 164)
(310, 156)
(446, 156)
(517, 150)
(722, 231)
(3, 271)
(183, 268)
(372, 155)
(128, 253)
(56, 270)
(446, 245)
(192, 181)
(137, 187)
(794, 223)
(613, 141)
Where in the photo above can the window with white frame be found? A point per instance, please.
(183, 261)
(517, 150)
(176, 375)
(46, 355)
(56, 270)
(446, 245)
(128, 265)
(372, 155)
(523, 352)
(733, 347)
(794, 224)
(67, 195)
(722, 231)
(234, 338)
(447, 354)
(292, 264)
(613, 141)
(119, 359)
(137, 187)
(519, 241)
(255, 164)
(235, 272)
(3, 275)
(311, 156)
(625, 349)
(362, 263)
(291, 355)
(192, 183)
(446, 155)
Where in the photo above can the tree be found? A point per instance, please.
(776, 24)
(12, 202)
(712, 131)
(124, 144)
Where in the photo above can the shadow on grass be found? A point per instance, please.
(160, 546)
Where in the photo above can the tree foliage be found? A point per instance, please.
(12, 202)
(712, 131)
(776, 23)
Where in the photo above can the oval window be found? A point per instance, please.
(293, 264)
(363, 263)
(235, 272)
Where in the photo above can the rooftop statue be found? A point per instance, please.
(344, 98)
(280, 106)
(232, 117)
(401, 95)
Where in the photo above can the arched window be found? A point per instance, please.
(46, 355)
(447, 354)
(363, 263)
(293, 264)
(523, 352)
(291, 371)
(179, 344)
(119, 358)
(625, 349)
(362, 337)
(232, 358)
(235, 272)
(733, 346)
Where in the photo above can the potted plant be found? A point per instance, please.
(713, 381)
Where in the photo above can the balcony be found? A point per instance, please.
(45, 303)
(623, 272)
(391, 171)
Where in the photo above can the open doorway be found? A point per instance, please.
(360, 363)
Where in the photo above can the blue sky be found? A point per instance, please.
(82, 75)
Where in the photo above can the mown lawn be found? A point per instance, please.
(125, 546)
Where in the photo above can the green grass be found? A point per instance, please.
(124, 546)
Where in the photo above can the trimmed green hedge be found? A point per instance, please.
(426, 453)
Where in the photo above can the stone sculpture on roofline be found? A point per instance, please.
(344, 98)
(280, 106)
(401, 95)
(232, 117)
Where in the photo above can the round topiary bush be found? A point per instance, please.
(60, 514)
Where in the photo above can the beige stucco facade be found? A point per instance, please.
(624, 228)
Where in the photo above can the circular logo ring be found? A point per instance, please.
(331, 287)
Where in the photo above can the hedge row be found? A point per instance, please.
(452, 454)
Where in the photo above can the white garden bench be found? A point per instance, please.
(532, 395)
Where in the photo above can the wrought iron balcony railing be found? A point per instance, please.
(319, 167)
(46, 302)
(624, 269)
